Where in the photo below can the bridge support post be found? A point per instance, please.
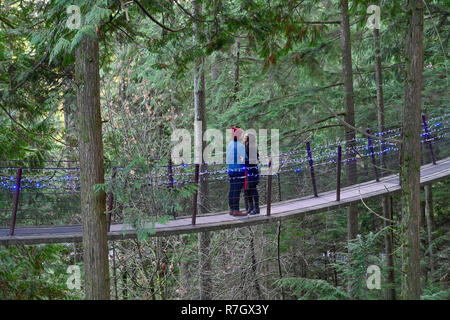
(428, 138)
(311, 168)
(338, 174)
(372, 154)
(194, 206)
(269, 189)
(170, 172)
(110, 201)
(16, 202)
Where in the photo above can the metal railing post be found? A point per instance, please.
(428, 137)
(170, 172)
(194, 207)
(16, 202)
(269, 189)
(279, 185)
(372, 154)
(311, 168)
(338, 174)
(110, 200)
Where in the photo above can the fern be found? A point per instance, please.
(312, 289)
(435, 292)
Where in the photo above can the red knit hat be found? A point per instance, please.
(236, 132)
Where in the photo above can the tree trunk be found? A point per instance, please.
(388, 246)
(70, 125)
(410, 169)
(257, 288)
(429, 217)
(350, 169)
(349, 113)
(124, 284)
(386, 200)
(216, 67)
(236, 66)
(93, 204)
(200, 115)
(116, 295)
(204, 242)
(184, 269)
(380, 97)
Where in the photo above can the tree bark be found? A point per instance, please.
(388, 246)
(70, 125)
(200, 115)
(256, 286)
(216, 67)
(380, 96)
(386, 200)
(93, 206)
(204, 243)
(116, 295)
(184, 269)
(429, 217)
(236, 66)
(411, 155)
(350, 169)
(200, 108)
(124, 284)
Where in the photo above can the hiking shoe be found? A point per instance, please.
(239, 214)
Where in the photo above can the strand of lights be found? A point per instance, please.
(43, 182)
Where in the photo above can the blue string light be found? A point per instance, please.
(324, 155)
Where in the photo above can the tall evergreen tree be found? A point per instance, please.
(204, 238)
(93, 206)
(347, 70)
(411, 156)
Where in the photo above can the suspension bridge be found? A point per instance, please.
(44, 202)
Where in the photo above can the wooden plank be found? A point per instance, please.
(217, 221)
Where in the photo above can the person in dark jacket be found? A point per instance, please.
(236, 170)
(251, 174)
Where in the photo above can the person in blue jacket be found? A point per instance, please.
(236, 170)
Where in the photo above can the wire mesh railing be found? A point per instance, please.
(50, 195)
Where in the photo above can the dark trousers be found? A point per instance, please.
(251, 193)
(236, 185)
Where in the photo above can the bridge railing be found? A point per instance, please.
(49, 194)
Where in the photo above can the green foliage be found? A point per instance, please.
(147, 91)
(87, 30)
(435, 292)
(316, 289)
(131, 193)
(364, 252)
(61, 46)
(96, 15)
(35, 272)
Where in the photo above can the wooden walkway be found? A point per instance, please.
(217, 221)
